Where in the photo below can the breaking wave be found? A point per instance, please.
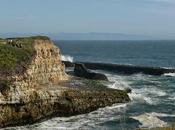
(150, 120)
(149, 94)
(170, 74)
(67, 58)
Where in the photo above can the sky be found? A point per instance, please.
(155, 18)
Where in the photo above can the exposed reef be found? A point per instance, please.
(124, 69)
(81, 71)
(34, 85)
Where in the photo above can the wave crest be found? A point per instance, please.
(170, 74)
(67, 58)
(150, 120)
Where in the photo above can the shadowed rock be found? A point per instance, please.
(81, 71)
(128, 90)
(124, 69)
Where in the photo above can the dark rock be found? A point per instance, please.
(128, 90)
(68, 64)
(81, 71)
(125, 69)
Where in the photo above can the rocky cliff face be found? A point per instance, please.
(45, 68)
(43, 89)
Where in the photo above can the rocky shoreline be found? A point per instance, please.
(58, 101)
(44, 90)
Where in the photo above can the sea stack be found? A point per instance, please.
(34, 85)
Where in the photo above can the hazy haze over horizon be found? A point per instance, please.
(152, 19)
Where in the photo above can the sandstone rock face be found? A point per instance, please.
(45, 68)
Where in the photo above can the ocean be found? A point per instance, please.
(152, 98)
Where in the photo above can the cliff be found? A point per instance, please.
(34, 85)
(43, 66)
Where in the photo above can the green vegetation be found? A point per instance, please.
(31, 38)
(12, 56)
(40, 37)
(16, 52)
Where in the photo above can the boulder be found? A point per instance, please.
(128, 90)
(80, 70)
(68, 63)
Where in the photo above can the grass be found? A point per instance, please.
(14, 55)
(31, 38)
(11, 57)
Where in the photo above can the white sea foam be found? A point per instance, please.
(162, 114)
(170, 74)
(67, 58)
(138, 97)
(150, 120)
(149, 94)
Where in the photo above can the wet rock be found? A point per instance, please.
(68, 64)
(125, 69)
(128, 90)
(81, 71)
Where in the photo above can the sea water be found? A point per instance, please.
(152, 98)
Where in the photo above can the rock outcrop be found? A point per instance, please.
(42, 88)
(81, 71)
(123, 69)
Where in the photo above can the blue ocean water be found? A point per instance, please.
(146, 53)
(153, 97)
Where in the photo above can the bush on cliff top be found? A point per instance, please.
(31, 38)
(16, 52)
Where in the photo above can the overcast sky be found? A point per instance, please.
(144, 17)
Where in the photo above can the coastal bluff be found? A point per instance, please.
(34, 85)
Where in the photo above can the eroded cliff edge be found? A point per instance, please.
(34, 85)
